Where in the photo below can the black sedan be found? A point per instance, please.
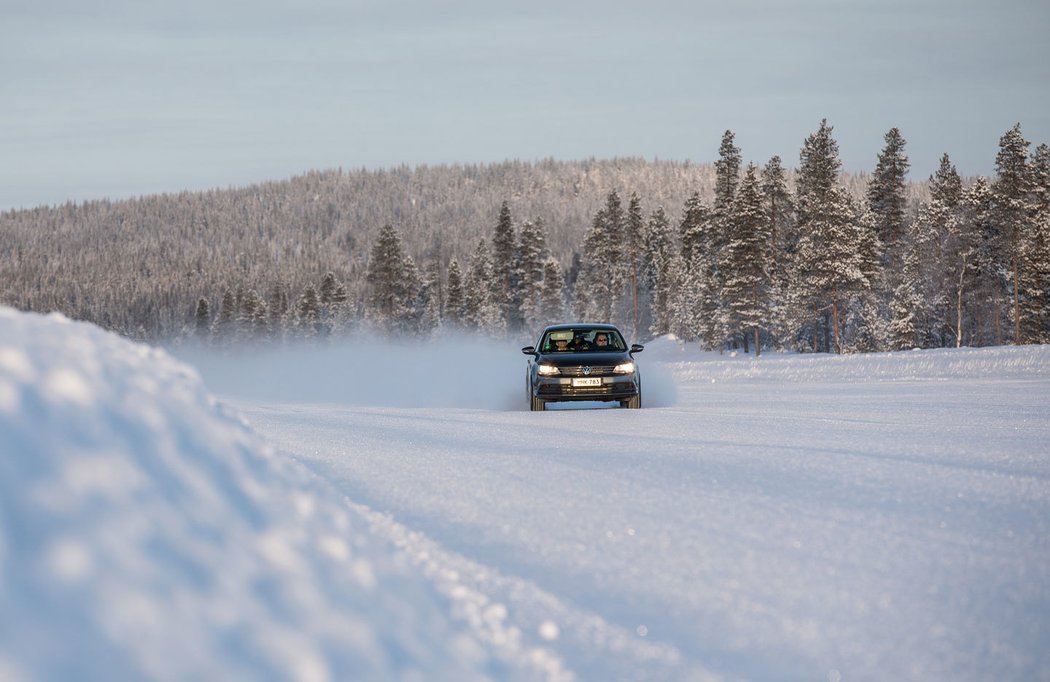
(582, 362)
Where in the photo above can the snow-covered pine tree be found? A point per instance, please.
(552, 296)
(277, 312)
(991, 277)
(780, 215)
(659, 249)
(202, 320)
(905, 304)
(390, 295)
(930, 231)
(830, 260)
(532, 254)
(1035, 254)
(818, 212)
(599, 286)
(886, 196)
(504, 275)
(946, 185)
(695, 226)
(454, 301)
(308, 314)
(727, 174)
(481, 309)
(252, 317)
(746, 262)
(430, 293)
(225, 324)
(633, 254)
(1013, 213)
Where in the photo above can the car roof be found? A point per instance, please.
(577, 325)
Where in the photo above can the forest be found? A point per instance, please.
(752, 257)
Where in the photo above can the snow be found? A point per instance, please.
(390, 511)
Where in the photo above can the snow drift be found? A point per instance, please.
(146, 533)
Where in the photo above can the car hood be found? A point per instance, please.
(586, 358)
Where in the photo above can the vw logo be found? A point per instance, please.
(586, 370)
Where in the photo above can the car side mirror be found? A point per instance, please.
(529, 350)
(637, 348)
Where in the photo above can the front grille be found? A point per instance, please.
(596, 371)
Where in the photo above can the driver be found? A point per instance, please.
(601, 340)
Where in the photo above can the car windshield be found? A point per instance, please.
(584, 339)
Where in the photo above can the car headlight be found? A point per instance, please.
(546, 370)
(624, 368)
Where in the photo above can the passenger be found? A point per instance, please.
(561, 344)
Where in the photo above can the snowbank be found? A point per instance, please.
(686, 362)
(146, 533)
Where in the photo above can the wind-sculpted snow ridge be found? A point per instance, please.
(687, 363)
(147, 533)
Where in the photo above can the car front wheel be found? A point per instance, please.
(633, 403)
(536, 405)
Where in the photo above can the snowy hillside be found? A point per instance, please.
(394, 512)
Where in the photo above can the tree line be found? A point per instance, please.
(757, 257)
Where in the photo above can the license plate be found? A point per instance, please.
(587, 381)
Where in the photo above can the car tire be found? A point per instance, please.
(633, 403)
(537, 405)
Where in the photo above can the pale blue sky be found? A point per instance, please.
(116, 98)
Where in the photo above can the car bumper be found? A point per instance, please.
(611, 388)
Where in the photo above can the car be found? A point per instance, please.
(582, 362)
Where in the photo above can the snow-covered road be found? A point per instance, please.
(790, 518)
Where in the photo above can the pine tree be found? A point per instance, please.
(454, 302)
(659, 249)
(746, 261)
(552, 297)
(780, 216)
(886, 197)
(481, 310)
(225, 323)
(946, 185)
(1011, 192)
(633, 253)
(277, 312)
(990, 277)
(694, 228)
(308, 314)
(600, 284)
(390, 297)
(532, 254)
(503, 267)
(819, 217)
(202, 320)
(727, 174)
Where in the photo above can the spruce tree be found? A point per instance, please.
(886, 197)
(633, 253)
(202, 319)
(1012, 212)
(225, 323)
(552, 297)
(504, 266)
(532, 255)
(780, 216)
(599, 287)
(747, 261)
(308, 314)
(946, 185)
(481, 309)
(819, 217)
(390, 296)
(454, 301)
(659, 249)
